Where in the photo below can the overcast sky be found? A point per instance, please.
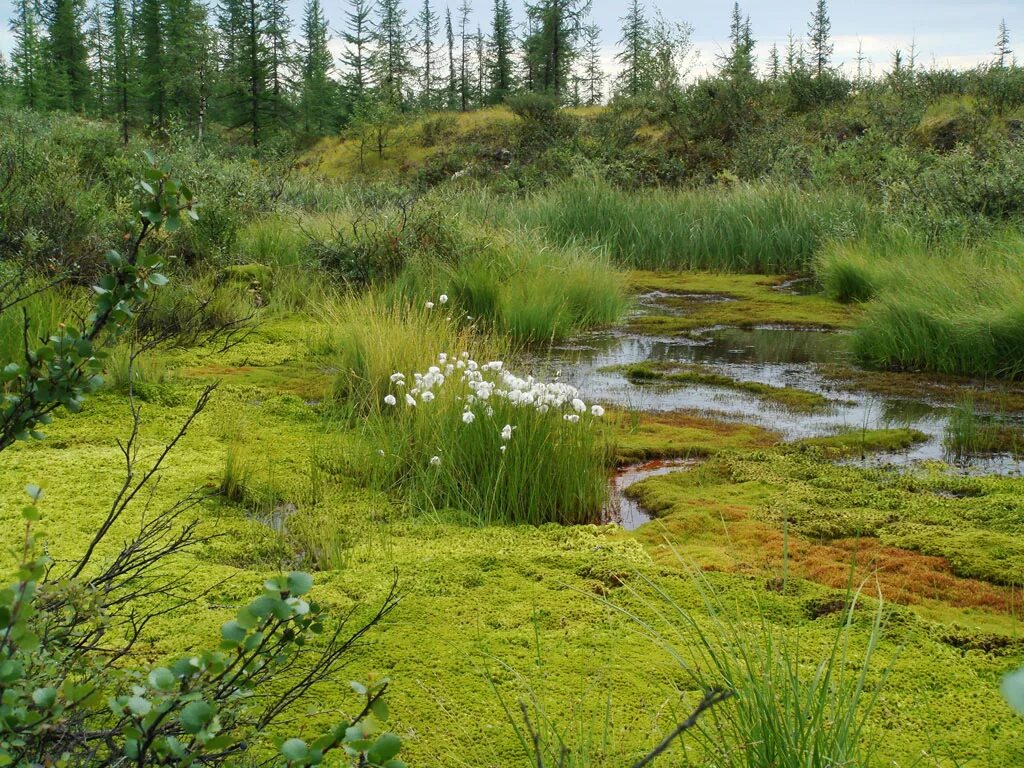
(946, 32)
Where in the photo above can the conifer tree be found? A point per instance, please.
(500, 66)
(244, 67)
(153, 73)
(358, 38)
(1003, 50)
(464, 11)
(592, 72)
(391, 66)
(635, 55)
(774, 63)
(27, 58)
(480, 62)
(819, 35)
(121, 75)
(99, 53)
(427, 23)
(315, 99)
(185, 59)
(453, 81)
(280, 59)
(670, 51)
(66, 56)
(551, 47)
(738, 64)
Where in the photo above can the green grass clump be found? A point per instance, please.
(490, 446)
(368, 338)
(969, 433)
(515, 284)
(756, 229)
(947, 307)
(45, 311)
(797, 703)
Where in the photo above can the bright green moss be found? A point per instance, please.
(750, 300)
(860, 442)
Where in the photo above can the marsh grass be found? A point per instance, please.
(949, 307)
(757, 229)
(515, 284)
(45, 311)
(368, 337)
(549, 470)
(969, 433)
(799, 703)
(144, 375)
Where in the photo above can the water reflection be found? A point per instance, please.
(778, 356)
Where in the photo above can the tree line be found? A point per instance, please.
(167, 65)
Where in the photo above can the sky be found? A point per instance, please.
(945, 33)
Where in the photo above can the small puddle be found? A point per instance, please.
(627, 512)
(779, 356)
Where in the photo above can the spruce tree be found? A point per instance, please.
(480, 60)
(738, 64)
(391, 66)
(121, 74)
(551, 47)
(99, 48)
(1003, 50)
(774, 63)
(153, 65)
(186, 59)
(280, 59)
(592, 72)
(819, 34)
(244, 68)
(464, 11)
(449, 33)
(358, 37)
(67, 56)
(27, 57)
(315, 89)
(635, 55)
(427, 23)
(500, 66)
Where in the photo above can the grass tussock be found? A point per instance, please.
(493, 447)
(949, 308)
(755, 229)
(797, 704)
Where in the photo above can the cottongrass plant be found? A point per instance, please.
(800, 700)
(498, 447)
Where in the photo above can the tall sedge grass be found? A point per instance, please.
(515, 284)
(489, 447)
(366, 338)
(45, 310)
(800, 702)
(947, 307)
(759, 229)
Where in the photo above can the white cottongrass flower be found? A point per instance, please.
(597, 410)
(410, 401)
(390, 400)
(396, 377)
(503, 448)
(572, 418)
(578, 405)
(435, 461)
(430, 305)
(443, 357)
(380, 451)
(427, 396)
(468, 417)
(443, 298)
(506, 433)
